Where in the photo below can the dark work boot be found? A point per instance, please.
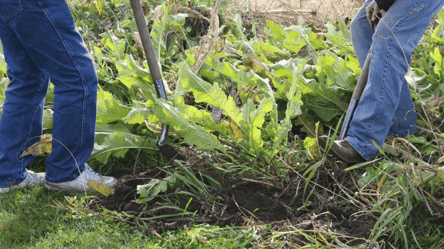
(342, 150)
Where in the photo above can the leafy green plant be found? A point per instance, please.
(149, 191)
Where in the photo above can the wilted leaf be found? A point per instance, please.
(44, 146)
(138, 43)
(101, 188)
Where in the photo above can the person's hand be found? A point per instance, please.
(374, 14)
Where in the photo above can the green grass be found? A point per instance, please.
(30, 219)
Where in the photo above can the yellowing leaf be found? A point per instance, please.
(99, 6)
(439, 176)
(44, 146)
(101, 188)
(237, 133)
(312, 146)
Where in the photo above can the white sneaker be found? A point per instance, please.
(31, 178)
(81, 183)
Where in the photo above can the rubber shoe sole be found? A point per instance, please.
(31, 179)
(80, 184)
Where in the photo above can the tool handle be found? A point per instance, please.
(362, 81)
(152, 62)
(148, 48)
(359, 89)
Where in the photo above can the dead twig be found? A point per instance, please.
(207, 43)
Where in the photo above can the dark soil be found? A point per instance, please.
(238, 203)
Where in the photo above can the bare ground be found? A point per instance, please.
(242, 203)
(287, 12)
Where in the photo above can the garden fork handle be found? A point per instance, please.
(359, 89)
(151, 59)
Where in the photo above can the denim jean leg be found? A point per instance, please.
(404, 119)
(395, 38)
(47, 31)
(362, 37)
(361, 34)
(21, 118)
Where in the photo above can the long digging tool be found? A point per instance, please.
(355, 97)
(167, 150)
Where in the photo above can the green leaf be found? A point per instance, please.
(353, 64)
(312, 146)
(308, 123)
(201, 117)
(415, 76)
(264, 87)
(292, 71)
(320, 93)
(256, 120)
(118, 145)
(204, 92)
(333, 71)
(276, 37)
(237, 19)
(137, 115)
(150, 190)
(437, 57)
(294, 41)
(438, 34)
(439, 177)
(296, 35)
(215, 71)
(115, 45)
(272, 53)
(47, 119)
(368, 178)
(131, 73)
(109, 109)
(192, 133)
(2, 62)
(109, 129)
(315, 42)
(340, 39)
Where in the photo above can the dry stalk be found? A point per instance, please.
(191, 13)
(345, 190)
(88, 211)
(408, 143)
(269, 184)
(207, 42)
(352, 200)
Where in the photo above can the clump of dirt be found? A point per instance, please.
(240, 202)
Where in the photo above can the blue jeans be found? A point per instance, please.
(41, 44)
(386, 107)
